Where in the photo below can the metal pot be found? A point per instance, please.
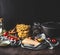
(51, 29)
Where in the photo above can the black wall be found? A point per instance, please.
(0, 9)
(27, 11)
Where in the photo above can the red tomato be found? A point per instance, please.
(54, 40)
(5, 34)
(11, 38)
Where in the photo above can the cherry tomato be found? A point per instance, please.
(54, 40)
(11, 38)
(5, 34)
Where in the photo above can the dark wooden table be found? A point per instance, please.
(21, 51)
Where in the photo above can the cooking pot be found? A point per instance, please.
(51, 29)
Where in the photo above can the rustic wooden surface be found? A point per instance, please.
(21, 51)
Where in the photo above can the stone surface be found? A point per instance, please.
(21, 51)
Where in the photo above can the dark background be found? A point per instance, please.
(28, 11)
